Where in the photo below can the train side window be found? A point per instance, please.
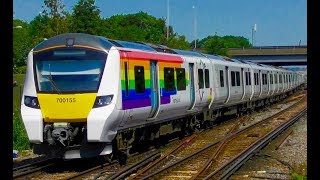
(200, 75)
(280, 78)
(290, 78)
(255, 79)
(181, 79)
(276, 78)
(139, 79)
(169, 79)
(266, 78)
(249, 78)
(271, 78)
(238, 78)
(262, 79)
(221, 78)
(206, 78)
(233, 78)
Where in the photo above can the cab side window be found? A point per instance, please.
(139, 79)
(169, 79)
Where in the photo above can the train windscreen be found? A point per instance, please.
(69, 71)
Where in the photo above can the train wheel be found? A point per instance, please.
(122, 158)
(108, 158)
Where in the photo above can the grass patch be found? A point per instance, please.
(17, 90)
(299, 172)
(20, 138)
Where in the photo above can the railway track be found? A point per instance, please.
(107, 171)
(228, 168)
(199, 164)
(22, 172)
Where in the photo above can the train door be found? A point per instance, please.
(227, 83)
(260, 81)
(269, 81)
(154, 86)
(243, 83)
(192, 89)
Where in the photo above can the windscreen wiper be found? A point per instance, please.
(53, 84)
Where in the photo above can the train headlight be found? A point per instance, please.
(102, 101)
(31, 102)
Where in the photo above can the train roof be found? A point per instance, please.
(99, 42)
(132, 45)
(75, 39)
(188, 53)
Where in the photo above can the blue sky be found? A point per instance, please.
(279, 22)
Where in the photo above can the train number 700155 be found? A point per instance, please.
(66, 100)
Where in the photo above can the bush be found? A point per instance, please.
(19, 69)
(20, 138)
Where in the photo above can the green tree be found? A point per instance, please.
(53, 20)
(220, 45)
(135, 27)
(178, 42)
(86, 18)
(55, 11)
(21, 42)
(143, 27)
(215, 45)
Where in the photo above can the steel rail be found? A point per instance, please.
(83, 173)
(246, 154)
(216, 142)
(220, 148)
(154, 163)
(19, 175)
(129, 170)
(18, 168)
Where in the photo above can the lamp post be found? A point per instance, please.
(195, 27)
(168, 21)
(254, 29)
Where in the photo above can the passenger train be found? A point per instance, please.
(87, 95)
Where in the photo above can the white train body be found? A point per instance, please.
(82, 91)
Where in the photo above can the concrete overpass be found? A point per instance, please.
(275, 55)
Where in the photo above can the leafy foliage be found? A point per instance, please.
(178, 42)
(215, 45)
(135, 27)
(85, 18)
(21, 44)
(56, 16)
(20, 138)
(219, 45)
